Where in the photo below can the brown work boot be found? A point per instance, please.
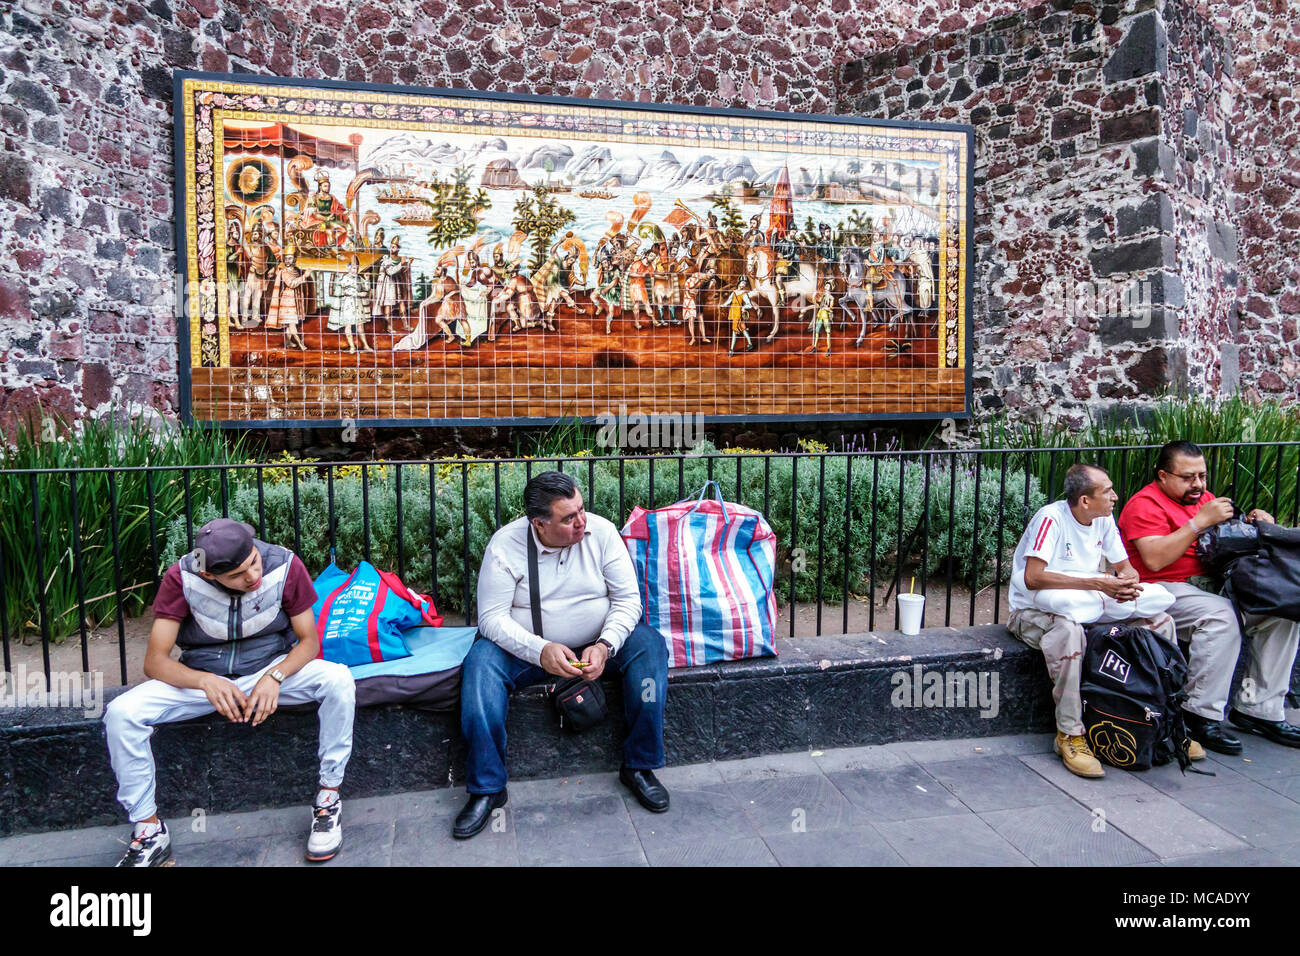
(1195, 750)
(1077, 756)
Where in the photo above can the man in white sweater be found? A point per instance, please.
(590, 610)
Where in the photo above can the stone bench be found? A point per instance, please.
(833, 691)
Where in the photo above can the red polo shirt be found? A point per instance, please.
(1152, 513)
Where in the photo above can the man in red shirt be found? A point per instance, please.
(240, 611)
(1160, 525)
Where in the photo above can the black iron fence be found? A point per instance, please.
(82, 550)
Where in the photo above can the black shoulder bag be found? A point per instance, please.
(580, 703)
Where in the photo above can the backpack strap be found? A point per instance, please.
(534, 593)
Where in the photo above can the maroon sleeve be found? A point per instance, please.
(299, 591)
(170, 601)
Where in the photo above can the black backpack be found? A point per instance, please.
(1133, 696)
(1267, 581)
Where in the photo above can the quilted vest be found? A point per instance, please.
(234, 633)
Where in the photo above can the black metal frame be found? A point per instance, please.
(994, 461)
(183, 265)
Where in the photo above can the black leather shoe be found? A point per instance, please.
(477, 813)
(1211, 734)
(650, 793)
(1278, 731)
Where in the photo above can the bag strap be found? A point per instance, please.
(534, 594)
(726, 519)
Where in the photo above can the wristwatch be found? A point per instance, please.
(276, 675)
(601, 640)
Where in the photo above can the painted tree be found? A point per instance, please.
(455, 207)
(729, 217)
(540, 217)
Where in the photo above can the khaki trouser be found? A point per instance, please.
(1062, 642)
(1210, 623)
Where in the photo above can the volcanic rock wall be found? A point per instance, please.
(1110, 150)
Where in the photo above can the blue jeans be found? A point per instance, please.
(489, 674)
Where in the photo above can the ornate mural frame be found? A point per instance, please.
(248, 397)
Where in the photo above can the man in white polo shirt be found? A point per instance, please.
(1058, 586)
(591, 611)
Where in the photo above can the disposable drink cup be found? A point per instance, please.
(911, 608)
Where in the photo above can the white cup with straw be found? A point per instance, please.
(911, 609)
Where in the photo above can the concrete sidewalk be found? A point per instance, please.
(995, 800)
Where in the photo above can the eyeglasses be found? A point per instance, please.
(1200, 475)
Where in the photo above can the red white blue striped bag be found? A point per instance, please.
(706, 569)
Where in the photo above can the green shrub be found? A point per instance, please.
(96, 444)
(459, 553)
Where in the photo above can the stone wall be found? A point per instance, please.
(1082, 173)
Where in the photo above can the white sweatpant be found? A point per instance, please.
(130, 719)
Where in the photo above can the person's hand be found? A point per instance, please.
(1119, 589)
(1128, 574)
(1259, 514)
(228, 699)
(558, 659)
(264, 699)
(1213, 512)
(595, 656)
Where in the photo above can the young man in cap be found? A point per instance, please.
(241, 612)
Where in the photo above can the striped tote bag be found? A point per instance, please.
(706, 571)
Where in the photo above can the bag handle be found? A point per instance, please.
(721, 502)
(534, 596)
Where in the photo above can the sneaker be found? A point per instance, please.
(149, 846)
(1077, 756)
(326, 827)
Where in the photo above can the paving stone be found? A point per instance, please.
(778, 805)
(862, 758)
(1164, 826)
(1261, 759)
(369, 844)
(1288, 853)
(636, 858)
(996, 783)
(776, 765)
(1169, 779)
(249, 851)
(903, 793)
(1052, 836)
(750, 851)
(1256, 814)
(1084, 789)
(574, 831)
(222, 827)
(1232, 858)
(427, 841)
(857, 846)
(959, 840)
(701, 813)
(695, 775)
(65, 844)
(933, 751)
(579, 787)
(1289, 787)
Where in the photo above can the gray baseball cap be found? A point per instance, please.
(225, 544)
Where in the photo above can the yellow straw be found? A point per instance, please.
(912, 589)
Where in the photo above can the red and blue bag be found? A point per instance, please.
(706, 570)
(360, 616)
